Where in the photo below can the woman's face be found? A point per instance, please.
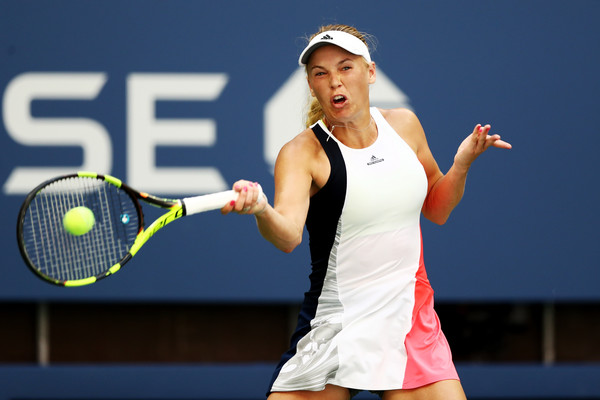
(340, 82)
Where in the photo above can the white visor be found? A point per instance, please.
(346, 41)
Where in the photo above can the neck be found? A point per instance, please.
(352, 136)
(332, 125)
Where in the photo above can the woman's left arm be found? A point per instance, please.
(445, 191)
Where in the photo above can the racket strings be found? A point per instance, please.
(62, 256)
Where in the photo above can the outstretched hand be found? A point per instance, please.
(476, 143)
(251, 199)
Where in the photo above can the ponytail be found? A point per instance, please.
(315, 112)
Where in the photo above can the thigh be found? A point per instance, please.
(331, 392)
(442, 390)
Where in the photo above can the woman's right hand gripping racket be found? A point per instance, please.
(76, 229)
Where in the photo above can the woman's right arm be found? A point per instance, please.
(283, 223)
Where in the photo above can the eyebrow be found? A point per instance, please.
(339, 63)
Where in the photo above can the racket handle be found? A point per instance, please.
(209, 202)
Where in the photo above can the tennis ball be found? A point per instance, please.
(79, 221)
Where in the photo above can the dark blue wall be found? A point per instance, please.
(525, 229)
(243, 382)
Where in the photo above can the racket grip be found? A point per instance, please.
(209, 202)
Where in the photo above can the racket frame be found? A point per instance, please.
(176, 210)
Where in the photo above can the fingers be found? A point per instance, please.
(501, 144)
(249, 196)
(476, 143)
(482, 140)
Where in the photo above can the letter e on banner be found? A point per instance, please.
(145, 132)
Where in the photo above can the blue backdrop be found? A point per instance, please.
(123, 86)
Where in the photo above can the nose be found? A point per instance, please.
(335, 80)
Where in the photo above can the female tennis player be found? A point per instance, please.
(359, 177)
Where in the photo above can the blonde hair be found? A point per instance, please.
(315, 112)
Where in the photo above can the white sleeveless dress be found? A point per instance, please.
(367, 322)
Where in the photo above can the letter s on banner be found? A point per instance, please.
(26, 130)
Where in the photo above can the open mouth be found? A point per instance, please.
(339, 99)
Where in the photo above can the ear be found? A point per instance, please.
(372, 73)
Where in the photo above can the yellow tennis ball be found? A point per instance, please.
(79, 221)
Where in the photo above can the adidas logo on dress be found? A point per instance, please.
(375, 160)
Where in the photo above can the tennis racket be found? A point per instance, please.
(117, 232)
